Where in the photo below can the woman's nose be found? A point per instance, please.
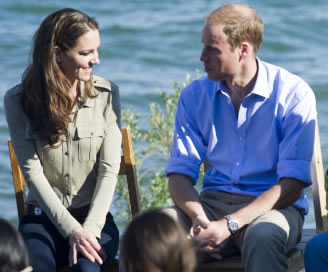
(95, 58)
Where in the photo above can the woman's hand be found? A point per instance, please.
(87, 244)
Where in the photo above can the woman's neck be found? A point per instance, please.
(74, 91)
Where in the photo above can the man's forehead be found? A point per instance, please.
(213, 34)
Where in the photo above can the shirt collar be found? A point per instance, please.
(83, 99)
(261, 87)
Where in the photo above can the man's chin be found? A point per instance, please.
(213, 78)
(216, 77)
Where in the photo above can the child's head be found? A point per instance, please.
(13, 253)
(154, 242)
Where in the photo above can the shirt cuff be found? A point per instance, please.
(297, 169)
(92, 228)
(184, 167)
(66, 228)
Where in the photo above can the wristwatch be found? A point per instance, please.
(233, 225)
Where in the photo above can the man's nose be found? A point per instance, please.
(203, 56)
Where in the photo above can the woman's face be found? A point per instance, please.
(77, 62)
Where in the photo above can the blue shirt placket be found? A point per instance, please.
(238, 155)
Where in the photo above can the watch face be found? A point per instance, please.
(233, 225)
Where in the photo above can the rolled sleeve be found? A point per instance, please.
(296, 147)
(184, 167)
(299, 170)
(188, 150)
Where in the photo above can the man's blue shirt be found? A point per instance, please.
(272, 137)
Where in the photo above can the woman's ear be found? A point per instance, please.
(58, 53)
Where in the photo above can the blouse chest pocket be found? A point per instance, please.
(89, 142)
(43, 149)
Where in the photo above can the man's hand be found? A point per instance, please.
(210, 235)
(87, 244)
(199, 223)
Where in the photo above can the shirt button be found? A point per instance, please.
(37, 211)
(91, 133)
(68, 192)
(66, 153)
(237, 163)
(66, 175)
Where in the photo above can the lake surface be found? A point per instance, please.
(148, 44)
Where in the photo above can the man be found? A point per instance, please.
(254, 122)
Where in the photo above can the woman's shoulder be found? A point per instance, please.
(104, 84)
(14, 94)
(13, 106)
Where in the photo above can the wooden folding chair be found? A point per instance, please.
(127, 169)
(295, 256)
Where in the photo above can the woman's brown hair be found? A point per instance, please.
(154, 242)
(46, 99)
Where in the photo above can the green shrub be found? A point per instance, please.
(152, 144)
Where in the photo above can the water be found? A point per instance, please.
(147, 44)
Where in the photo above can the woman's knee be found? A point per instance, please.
(46, 248)
(41, 255)
(109, 239)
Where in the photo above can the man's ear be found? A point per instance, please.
(244, 50)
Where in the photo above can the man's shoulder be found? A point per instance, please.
(199, 87)
(282, 74)
(286, 81)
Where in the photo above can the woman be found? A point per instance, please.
(13, 253)
(154, 242)
(68, 144)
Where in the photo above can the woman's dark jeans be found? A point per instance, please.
(48, 249)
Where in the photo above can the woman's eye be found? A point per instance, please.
(84, 53)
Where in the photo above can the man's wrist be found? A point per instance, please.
(232, 224)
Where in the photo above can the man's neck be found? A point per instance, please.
(245, 78)
(241, 87)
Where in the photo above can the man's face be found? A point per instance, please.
(220, 63)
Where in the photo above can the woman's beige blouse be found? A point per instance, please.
(82, 170)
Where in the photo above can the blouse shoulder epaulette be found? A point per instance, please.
(100, 82)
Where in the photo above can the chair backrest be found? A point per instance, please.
(318, 184)
(127, 168)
